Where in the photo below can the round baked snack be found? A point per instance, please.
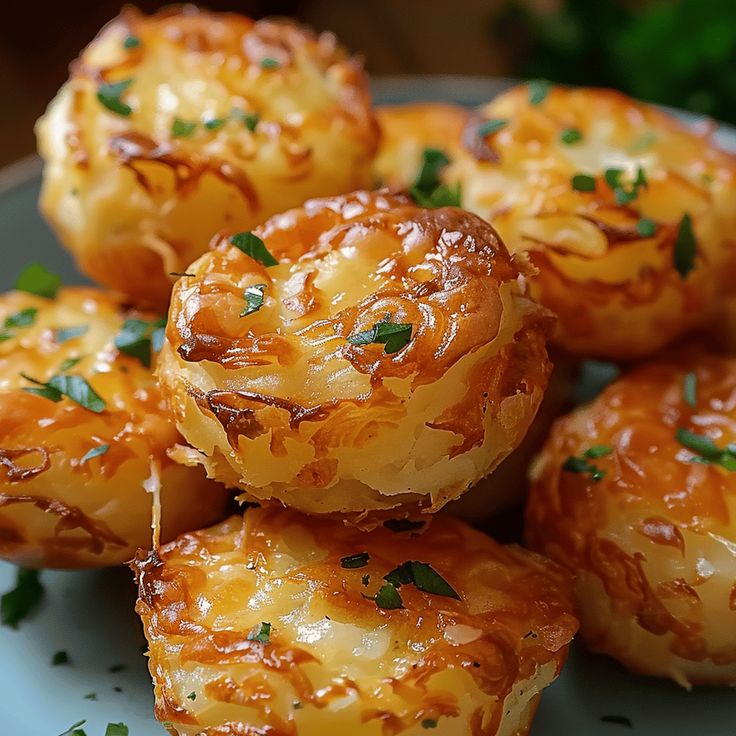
(627, 214)
(360, 356)
(176, 125)
(282, 623)
(85, 433)
(636, 493)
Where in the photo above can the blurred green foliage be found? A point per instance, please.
(677, 52)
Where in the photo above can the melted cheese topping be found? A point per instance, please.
(281, 404)
(134, 201)
(55, 510)
(653, 543)
(335, 662)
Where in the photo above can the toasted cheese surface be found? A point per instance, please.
(333, 660)
(294, 400)
(216, 121)
(58, 509)
(653, 540)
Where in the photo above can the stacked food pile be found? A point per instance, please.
(346, 369)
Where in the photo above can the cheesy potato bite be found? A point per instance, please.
(84, 436)
(281, 623)
(359, 356)
(636, 494)
(176, 125)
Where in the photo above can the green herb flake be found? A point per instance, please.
(253, 296)
(705, 451)
(261, 633)
(491, 126)
(249, 119)
(570, 136)
(182, 128)
(75, 388)
(442, 196)
(254, 247)
(5, 335)
(269, 63)
(94, 452)
(428, 179)
(353, 562)
(596, 451)
(64, 334)
(429, 723)
(583, 183)
(683, 255)
(24, 318)
(621, 193)
(36, 279)
(581, 465)
(137, 338)
(618, 720)
(74, 729)
(192, 696)
(646, 227)
(388, 598)
(110, 95)
(213, 123)
(69, 363)
(116, 729)
(394, 335)
(538, 90)
(690, 389)
(60, 657)
(18, 603)
(423, 576)
(365, 579)
(131, 42)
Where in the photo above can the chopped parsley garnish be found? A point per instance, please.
(394, 335)
(110, 96)
(69, 363)
(21, 319)
(214, 123)
(261, 633)
(538, 90)
(387, 598)
(353, 562)
(74, 729)
(583, 182)
(36, 279)
(18, 603)
(569, 136)
(423, 576)
(621, 193)
(138, 338)
(182, 128)
(683, 255)
(443, 196)
(365, 579)
(64, 334)
(429, 723)
(60, 657)
(491, 126)
(192, 696)
(249, 119)
(253, 296)
(254, 247)
(690, 389)
(131, 42)
(580, 464)
(94, 452)
(75, 388)
(269, 63)
(116, 729)
(706, 451)
(646, 227)
(428, 190)
(618, 720)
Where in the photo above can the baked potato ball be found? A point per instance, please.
(176, 125)
(636, 494)
(84, 436)
(280, 623)
(358, 356)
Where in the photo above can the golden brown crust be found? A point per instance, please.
(334, 659)
(653, 540)
(55, 509)
(285, 383)
(132, 195)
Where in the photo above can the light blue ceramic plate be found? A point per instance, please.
(90, 614)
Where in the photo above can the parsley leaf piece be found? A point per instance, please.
(538, 90)
(36, 279)
(249, 119)
(690, 389)
(254, 247)
(261, 633)
(269, 63)
(192, 695)
(64, 334)
(72, 730)
(394, 335)
(131, 42)
(353, 562)
(182, 128)
(109, 95)
(433, 161)
(388, 598)
(138, 337)
(491, 126)
(94, 452)
(428, 580)
(116, 729)
(575, 464)
(570, 136)
(683, 255)
(621, 193)
(5, 335)
(21, 319)
(69, 363)
(429, 723)
(253, 296)
(618, 720)
(706, 451)
(60, 657)
(18, 603)
(646, 227)
(401, 575)
(596, 451)
(583, 183)
(45, 391)
(442, 196)
(75, 388)
(213, 123)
